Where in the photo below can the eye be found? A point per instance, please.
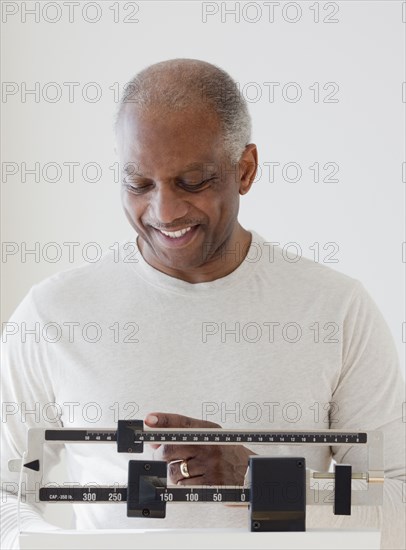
(196, 186)
(140, 188)
(136, 189)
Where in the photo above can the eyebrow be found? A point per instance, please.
(129, 169)
(195, 166)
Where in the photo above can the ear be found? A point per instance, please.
(248, 167)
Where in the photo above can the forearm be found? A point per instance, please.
(394, 515)
(31, 519)
(390, 518)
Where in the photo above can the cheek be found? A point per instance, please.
(130, 205)
(229, 204)
(217, 204)
(124, 198)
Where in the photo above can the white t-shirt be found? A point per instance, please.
(274, 345)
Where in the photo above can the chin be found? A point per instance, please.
(178, 264)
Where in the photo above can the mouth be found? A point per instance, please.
(178, 238)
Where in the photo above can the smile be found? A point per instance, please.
(175, 234)
(179, 238)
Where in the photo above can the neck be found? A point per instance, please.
(221, 263)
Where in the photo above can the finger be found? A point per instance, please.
(154, 445)
(170, 453)
(170, 420)
(195, 480)
(175, 472)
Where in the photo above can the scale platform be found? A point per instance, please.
(278, 491)
(200, 539)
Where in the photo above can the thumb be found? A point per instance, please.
(170, 420)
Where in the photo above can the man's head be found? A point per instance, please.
(183, 133)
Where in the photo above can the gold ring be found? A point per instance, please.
(184, 469)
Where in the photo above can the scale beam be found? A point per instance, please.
(147, 493)
(131, 436)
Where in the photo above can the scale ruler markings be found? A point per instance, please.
(210, 437)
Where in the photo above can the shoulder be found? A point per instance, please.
(287, 268)
(77, 288)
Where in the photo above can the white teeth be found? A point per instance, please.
(176, 234)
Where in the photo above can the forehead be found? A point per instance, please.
(161, 140)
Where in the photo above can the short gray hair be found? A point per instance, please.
(180, 83)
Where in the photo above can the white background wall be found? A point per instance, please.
(361, 55)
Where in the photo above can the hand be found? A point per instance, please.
(207, 464)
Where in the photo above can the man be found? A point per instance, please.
(209, 326)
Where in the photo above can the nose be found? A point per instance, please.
(167, 205)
